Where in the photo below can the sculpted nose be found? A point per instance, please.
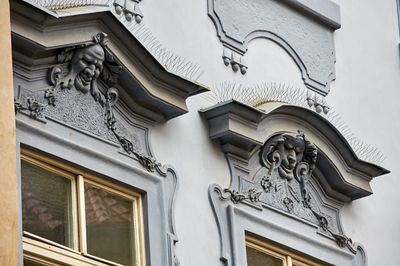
(89, 71)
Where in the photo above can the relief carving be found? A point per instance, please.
(76, 76)
(287, 162)
(303, 33)
(292, 158)
(80, 67)
(130, 8)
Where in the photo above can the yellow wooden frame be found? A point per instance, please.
(289, 258)
(51, 253)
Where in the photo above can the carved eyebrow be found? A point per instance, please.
(87, 58)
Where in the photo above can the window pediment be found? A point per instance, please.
(242, 130)
(291, 161)
(146, 86)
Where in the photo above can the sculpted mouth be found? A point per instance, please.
(85, 79)
(288, 169)
(82, 82)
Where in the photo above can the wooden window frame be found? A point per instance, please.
(289, 258)
(45, 251)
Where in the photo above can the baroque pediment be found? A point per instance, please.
(39, 35)
(81, 96)
(282, 179)
(289, 169)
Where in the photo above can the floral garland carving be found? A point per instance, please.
(80, 68)
(292, 158)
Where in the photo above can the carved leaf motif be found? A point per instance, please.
(111, 73)
(86, 63)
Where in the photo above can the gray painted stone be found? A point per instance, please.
(241, 130)
(236, 220)
(149, 89)
(80, 150)
(67, 108)
(284, 192)
(303, 28)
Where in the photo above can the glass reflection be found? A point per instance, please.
(109, 225)
(46, 204)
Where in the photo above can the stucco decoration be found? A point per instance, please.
(76, 99)
(158, 96)
(282, 182)
(291, 171)
(235, 220)
(303, 29)
(65, 4)
(279, 179)
(130, 8)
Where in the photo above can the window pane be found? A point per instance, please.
(28, 262)
(34, 262)
(109, 225)
(258, 258)
(46, 204)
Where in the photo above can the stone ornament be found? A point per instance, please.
(80, 69)
(303, 28)
(287, 164)
(85, 64)
(130, 8)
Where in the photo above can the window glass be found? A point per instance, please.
(260, 253)
(109, 225)
(258, 258)
(82, 218)
(28, 262)
(46, 204)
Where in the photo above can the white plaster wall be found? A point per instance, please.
(365, 94)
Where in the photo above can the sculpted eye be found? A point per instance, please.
(99, 65)
(87, 59)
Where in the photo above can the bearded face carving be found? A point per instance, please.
(87, 64)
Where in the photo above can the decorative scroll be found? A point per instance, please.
(287, 163)
(80, 69)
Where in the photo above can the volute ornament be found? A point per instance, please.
(294, 157)
(80, 68)
(287, 162)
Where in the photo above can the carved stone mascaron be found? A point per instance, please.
(287, 162)
(77, 75)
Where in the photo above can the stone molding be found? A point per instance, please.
(240, 130)
(285, 184)
(149, 89)
(159, 187)
(304, 28)
(234, 221)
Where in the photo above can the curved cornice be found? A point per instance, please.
(240, 129)
(332, 134)
(148, 88)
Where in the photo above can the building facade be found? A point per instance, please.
(200, 133)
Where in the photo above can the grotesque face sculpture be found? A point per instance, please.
(285, 152)
(289, 152)
(87, 64)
